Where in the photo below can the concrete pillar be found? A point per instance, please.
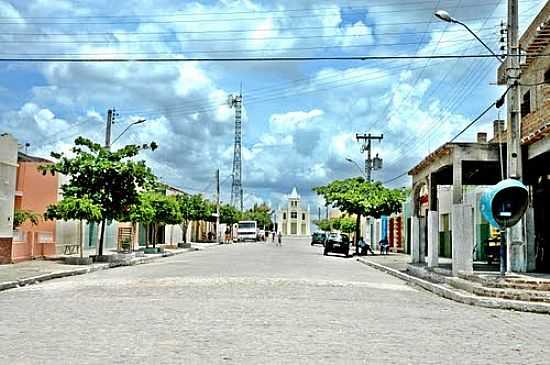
(463, 238)
(457, 178)
(417, 256)
(530, 238)
(433, 238)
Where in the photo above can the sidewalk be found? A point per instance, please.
(32, 272)
(515, 292)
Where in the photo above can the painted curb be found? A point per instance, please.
(86, 270)
(442, 291)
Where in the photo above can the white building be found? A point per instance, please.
(8, 170)
(293, 220)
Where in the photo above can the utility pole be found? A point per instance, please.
(319, 213)
(108, 129)
(370, 163)
(513, 99)
(236, 187)
(218, 206)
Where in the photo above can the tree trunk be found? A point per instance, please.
(184, 227)
(154, 235)
(80, 240)
(101, 238)
(357, 233)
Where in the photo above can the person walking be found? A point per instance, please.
(279, 239)
(273, 236)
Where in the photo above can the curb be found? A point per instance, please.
(86, 270)
(457, 296)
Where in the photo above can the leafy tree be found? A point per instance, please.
(261, 213)
(109, 180)
(324, 224)
(229, 214)
(74, 208)
(359, 197)
(347, 224)
(193, 208)
(20, 216)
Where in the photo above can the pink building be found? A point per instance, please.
(34, 192)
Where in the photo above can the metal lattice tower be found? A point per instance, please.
(236, 187)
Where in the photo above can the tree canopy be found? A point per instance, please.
(357, 196)
(20, 216)
(103, 179)
(261, 213)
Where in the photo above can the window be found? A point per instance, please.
(303, 216)
(293, 215)
(284, 216)
(444, 225)
(526, 104)
(547, 76)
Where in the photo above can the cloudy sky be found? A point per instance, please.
(300, 118)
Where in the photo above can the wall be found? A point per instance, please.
(38, 191)
(540, 95)
(8, 167)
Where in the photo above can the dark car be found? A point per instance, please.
(318, 238)
(338, 243)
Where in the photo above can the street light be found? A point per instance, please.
(444, 16)
(124, 131)
(348, 159)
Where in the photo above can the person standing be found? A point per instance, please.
(273, 236)
(279, 239)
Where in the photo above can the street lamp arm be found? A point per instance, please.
(479, 39)
(126, 129)
(356, 165)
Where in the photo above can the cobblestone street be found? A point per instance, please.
(256, 303)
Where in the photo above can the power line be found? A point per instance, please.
(455, 137)
(208, 40)
(193, 14)
(169, 33)
(251, 59)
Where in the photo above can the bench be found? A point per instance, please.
(72, 249)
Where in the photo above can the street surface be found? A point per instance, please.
(257, 303)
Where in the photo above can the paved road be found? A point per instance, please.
(256, 303)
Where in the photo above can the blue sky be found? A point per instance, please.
(300, 118)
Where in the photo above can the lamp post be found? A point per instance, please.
(124, 131)
(443, 15)
(357, 165)
(513, 126)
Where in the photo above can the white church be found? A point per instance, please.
(293, 220)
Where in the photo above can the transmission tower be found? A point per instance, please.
(236, 187)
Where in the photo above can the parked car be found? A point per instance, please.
(318, 238)
(338, 243)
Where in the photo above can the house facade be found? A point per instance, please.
(8, 173)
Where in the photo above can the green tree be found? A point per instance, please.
(359, 197)
(20, 216)
(347, 224)
(261, 213)
(75, 208)
(324, 224)
(193, 208)
(229, 214)
(110, 180)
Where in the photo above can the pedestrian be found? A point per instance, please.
(384, 245)
(273, 236)
(364, 248)
(279, 239)
(227, 237)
